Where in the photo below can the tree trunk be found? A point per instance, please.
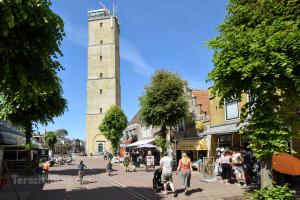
(266, 173)
(28, 133)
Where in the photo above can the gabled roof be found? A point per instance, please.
(136, 119)
(202, 99)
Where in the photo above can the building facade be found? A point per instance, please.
(224, 124)
(103, 83)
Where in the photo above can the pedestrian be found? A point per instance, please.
(185, 169)
(109, 167)
(81, 167)
(134, 161)
(166, 176)
(45, 171)
(225, 160)
(238, 169)
(126, 162)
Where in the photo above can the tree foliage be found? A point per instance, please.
(113, 125)
(257, 52)
(164, 103)
(50, 139)
(61, 133)
(30, 90)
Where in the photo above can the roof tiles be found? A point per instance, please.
(202, 99)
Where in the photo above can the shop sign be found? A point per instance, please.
(150, 160)
(208, 167)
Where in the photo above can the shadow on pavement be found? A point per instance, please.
(107, 193)
(74, 172)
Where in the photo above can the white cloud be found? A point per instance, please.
(76, 33)
(131, 54)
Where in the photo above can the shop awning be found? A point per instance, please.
(286, 164)
(224, 129)
(192, 144)
(141, 142)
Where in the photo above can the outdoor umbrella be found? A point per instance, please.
(286, 164)
(147, 146)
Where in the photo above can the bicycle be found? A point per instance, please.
(109, 167)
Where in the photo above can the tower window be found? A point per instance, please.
(101, 24)
(100, 110)
(100, 58)
(100, 91)
(101, 41)
(101, 75)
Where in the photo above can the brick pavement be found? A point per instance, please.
(210, 191)
(122, 185)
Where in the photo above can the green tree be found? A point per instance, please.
(50, 139)
(164, 104)
(257, 52)
(30, 90)
(113, 125)
(61, 133)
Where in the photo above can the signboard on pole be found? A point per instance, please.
(208, 167)
(150, 161)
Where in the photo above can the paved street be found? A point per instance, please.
(131, 185)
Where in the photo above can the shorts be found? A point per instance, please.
(81, 173)
(238, 170)
(166, 177)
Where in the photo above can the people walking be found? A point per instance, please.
(166, 176)
(238, 169)
(109, 167)
(225, 160)
(185, 169)
(45, 171)
(81, 167)
(126, 162)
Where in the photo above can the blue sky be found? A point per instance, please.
(155, 34)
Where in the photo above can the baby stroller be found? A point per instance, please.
(157, 184)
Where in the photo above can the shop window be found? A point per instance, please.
(22, 155)
(10, 155)
(225, 141)
(146, 131)
(231, 110)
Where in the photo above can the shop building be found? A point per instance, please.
(224, 125)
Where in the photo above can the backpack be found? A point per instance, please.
(237, 159)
